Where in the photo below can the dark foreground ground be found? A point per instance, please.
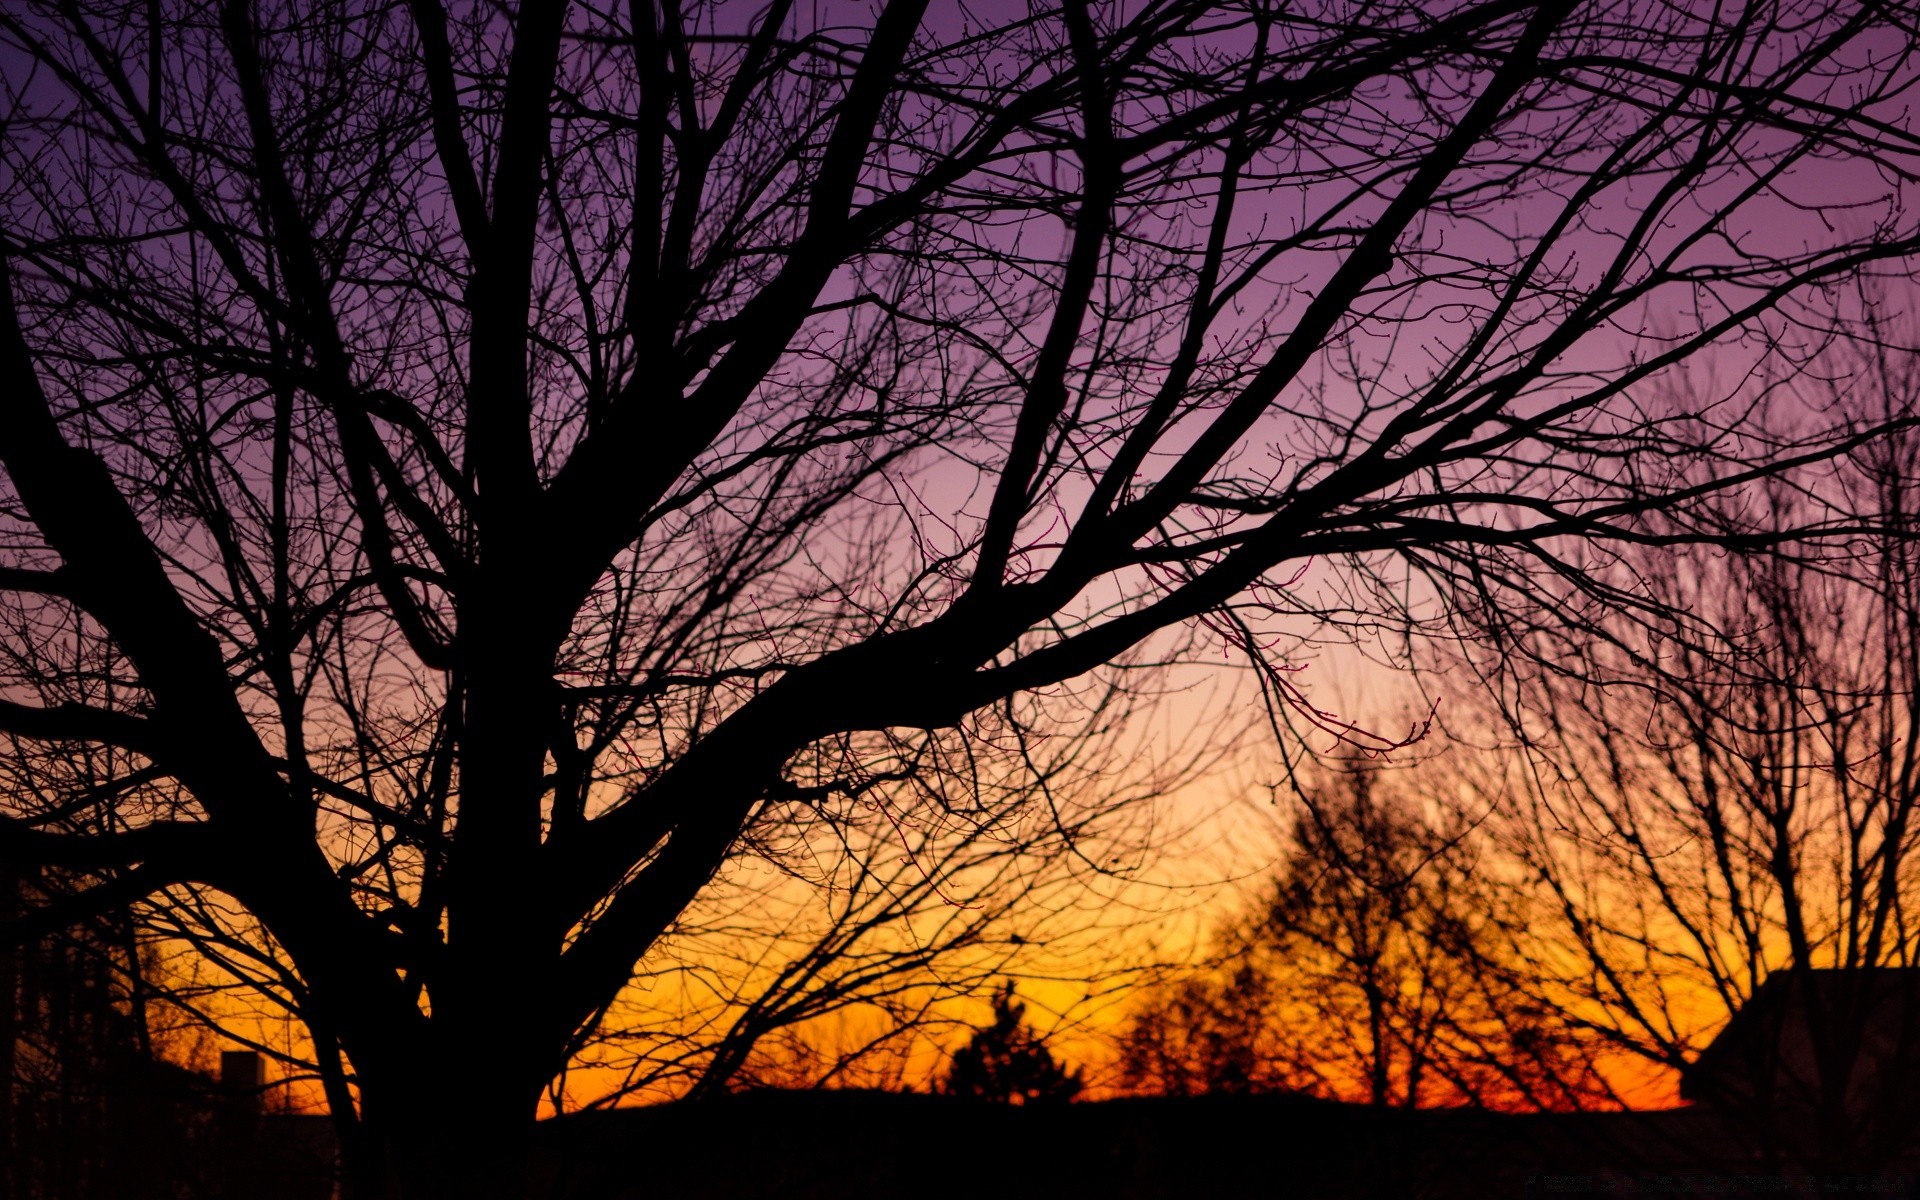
(854, 1146)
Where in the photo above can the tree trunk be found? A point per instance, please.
(1379, 1076)
(451, 1117)
(465, 1134)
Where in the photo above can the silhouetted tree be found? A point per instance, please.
(1719, 781)
(1208, 1033)
(837, 966)
(481, 478)
(1008, 1063)
(88, 1111)
(1377, 968)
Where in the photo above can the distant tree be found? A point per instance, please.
(1376, 969)
(481, 479)
(1007, 1062)
(1207, 1033)
(1399, 956)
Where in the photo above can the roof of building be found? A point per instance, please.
(1883, 1003)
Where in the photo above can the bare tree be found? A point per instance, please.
(1204, 1033)
(1377, 968)
(878, 927)
(1718, 783)
(475, 473)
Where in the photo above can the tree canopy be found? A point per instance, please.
(473, 472)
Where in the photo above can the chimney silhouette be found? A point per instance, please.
(242, 1076)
